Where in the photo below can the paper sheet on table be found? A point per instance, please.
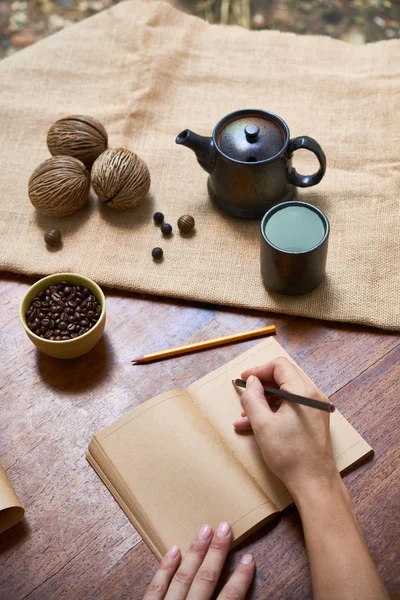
(11, 510)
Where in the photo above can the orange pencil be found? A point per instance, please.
(227, 339)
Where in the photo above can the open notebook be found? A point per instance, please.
(175, 462)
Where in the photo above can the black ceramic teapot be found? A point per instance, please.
(248, 158)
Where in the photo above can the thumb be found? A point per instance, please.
(254, 402)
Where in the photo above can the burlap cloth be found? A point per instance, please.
(148, 71)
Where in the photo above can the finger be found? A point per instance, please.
(242, 424)
(254, 403)
(190, 564)
(159, 584)
(240, 580)
(208, 574)
(284, 374)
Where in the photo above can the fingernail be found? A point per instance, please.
(249, 380)
(247, 559)
(173, 553)
(205, 532)
(223, 529)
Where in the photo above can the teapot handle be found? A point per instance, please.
(307, 143)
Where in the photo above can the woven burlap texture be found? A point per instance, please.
(147, 71)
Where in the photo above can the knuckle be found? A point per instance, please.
(282, 361)
(155, 588)
(207, 575)
(231, 593)
(182, 576)
(197, 547)
(220, 543)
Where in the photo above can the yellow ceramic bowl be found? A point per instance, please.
(68, 348)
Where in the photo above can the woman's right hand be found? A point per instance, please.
(294, 440)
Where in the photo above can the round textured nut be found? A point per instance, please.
(77, 135)
(59, 186)
(186, 223)
(120, 178)
(52, 237)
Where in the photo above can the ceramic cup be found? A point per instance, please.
(294, 246)
(68, 348)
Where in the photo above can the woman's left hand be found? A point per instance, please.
(195, 577)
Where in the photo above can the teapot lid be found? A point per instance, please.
(251, 135)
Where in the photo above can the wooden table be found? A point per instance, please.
(75, 542)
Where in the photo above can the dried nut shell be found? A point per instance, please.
(186, 223)
(77, 135)
(120, 178)
(59, 186)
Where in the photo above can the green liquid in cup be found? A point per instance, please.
(295, 229)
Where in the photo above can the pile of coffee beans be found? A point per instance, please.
(63, 312)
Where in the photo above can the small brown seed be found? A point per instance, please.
(53, 238)
(186, 223)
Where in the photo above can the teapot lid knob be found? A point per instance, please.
(251, 132)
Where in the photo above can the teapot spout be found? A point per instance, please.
(202, 146)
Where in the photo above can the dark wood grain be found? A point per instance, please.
(75, 542)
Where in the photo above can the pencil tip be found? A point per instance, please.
(139, 359)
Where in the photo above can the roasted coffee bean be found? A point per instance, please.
(63, 311)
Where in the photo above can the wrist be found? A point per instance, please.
(310, 494)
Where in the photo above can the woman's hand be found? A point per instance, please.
(195, 577)
(294, 440)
